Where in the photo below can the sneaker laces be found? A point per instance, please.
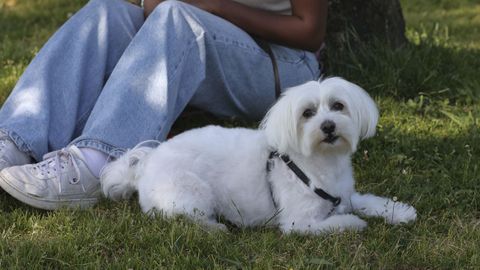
(54, 162)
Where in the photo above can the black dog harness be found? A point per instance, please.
(301, 175)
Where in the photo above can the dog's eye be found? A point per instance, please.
(308, 113)
(337, 106)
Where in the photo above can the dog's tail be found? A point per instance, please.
(119, 178)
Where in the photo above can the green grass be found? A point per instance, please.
(426, 152)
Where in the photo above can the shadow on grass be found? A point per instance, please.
(427, 69)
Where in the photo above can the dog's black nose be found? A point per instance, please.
(328, 127)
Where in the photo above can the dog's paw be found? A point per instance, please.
(402, 213)
(212, 226)
(353, 222)
(340, 223)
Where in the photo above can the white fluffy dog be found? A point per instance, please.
(213, 171)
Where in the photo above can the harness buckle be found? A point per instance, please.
(336, 201)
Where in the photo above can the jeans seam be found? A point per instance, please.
(182, 57)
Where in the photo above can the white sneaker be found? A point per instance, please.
(62, 179)
(9, 153)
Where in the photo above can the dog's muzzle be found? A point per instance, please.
(328, 127)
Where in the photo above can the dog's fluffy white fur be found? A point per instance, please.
(213, 171)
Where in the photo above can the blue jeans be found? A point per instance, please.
(108, 80)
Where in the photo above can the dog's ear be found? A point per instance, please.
(366, 114)
(280, 124)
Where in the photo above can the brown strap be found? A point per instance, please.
(266, 47)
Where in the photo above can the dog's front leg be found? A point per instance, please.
(392, 211)
(334, 223)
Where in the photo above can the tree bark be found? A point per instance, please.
(365, 21)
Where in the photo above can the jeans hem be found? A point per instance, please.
(20, 143)
(110, 150)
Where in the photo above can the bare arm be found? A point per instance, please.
(304, 29)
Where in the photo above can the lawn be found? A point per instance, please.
(426, 153)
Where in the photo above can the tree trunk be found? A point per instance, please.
(365, 21)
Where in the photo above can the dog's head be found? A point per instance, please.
(331, 115)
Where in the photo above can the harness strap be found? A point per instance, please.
(304, 178)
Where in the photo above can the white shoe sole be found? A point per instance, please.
(43, 203)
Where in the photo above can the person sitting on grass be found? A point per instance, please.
(115, 75)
